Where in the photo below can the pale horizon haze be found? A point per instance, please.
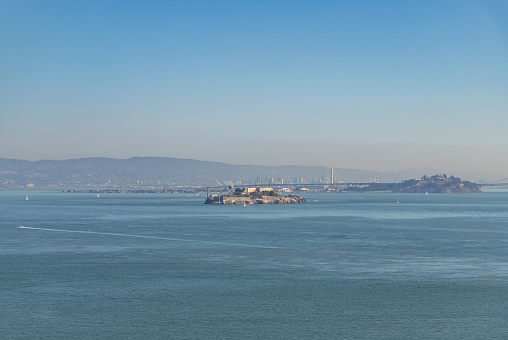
(380, 85)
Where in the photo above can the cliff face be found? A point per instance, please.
(254, 199)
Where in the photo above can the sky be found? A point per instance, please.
(378, 85)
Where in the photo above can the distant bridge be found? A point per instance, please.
(289, 185)
(493, 184)
(315, 186)
(499, 183)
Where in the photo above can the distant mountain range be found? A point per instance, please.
(163, 171)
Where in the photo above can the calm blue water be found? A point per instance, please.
(342, 266)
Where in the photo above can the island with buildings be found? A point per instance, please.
(244, 196)
(432, 184)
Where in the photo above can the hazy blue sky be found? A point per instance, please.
(376, 85)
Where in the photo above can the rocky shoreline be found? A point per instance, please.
(256, 196)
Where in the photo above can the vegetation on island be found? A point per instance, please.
(257, 196)
(433, 184)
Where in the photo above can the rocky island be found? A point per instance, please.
(433, 184)
(244, 196)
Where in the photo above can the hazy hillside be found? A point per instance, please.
(176, 171)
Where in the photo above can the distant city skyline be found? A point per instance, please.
(363, 85)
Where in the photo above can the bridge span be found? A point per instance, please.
(323, 186)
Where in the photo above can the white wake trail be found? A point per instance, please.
(150, 237)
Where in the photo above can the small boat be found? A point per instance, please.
(98, 195)
(426, 193)
(26, 198)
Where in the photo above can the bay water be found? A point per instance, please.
(166, 266)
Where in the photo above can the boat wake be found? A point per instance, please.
(151, 237)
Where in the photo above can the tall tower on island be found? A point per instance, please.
(331, 181)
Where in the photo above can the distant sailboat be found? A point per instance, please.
(98, 195)
(26, 198)
(426, 193)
